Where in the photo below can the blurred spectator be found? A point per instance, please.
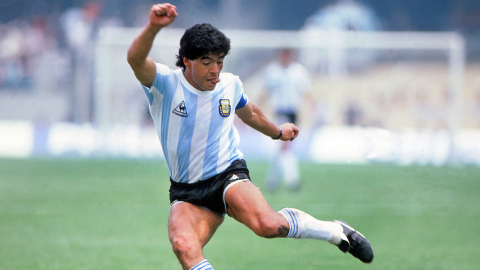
(80, 26)
(14, 69)
(22, 45)
(287, 86)
(46, 62)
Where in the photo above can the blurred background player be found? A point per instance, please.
(286, 86)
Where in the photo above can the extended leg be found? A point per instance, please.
(247, 205)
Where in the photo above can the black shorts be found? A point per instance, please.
(287, 117)
(210, 193)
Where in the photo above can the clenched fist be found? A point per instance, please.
(162, 15)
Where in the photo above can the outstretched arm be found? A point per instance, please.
(161, 15)
(254, 117)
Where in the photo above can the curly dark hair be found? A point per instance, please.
(201, 40)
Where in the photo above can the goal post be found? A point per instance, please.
(112, 71)
(329, 55)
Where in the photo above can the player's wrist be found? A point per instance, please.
(154, 28)
(279, 136)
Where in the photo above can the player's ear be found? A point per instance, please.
(187, 62)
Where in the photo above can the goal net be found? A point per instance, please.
(406, 82)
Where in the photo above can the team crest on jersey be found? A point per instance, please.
(181, 109)
(225, 107)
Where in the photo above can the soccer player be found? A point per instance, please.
(286, 86)
(193, 109)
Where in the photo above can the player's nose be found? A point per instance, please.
(215, 68)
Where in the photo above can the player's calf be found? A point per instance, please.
(304, 226)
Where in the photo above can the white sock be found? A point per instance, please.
(203, 265)
(304, 226)
(291, 170)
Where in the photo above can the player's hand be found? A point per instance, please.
(162, 15)
(289, 132)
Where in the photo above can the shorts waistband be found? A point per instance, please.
(238, 165)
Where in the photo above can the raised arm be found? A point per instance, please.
(254, 117)
(161, 15)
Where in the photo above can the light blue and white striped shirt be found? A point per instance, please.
(195, 127)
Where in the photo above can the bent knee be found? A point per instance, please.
(269, 228)
(183, 245)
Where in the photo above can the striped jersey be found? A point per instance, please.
(286, 85)
(195, 128)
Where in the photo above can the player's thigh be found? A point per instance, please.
(192, 222)
(248, 205)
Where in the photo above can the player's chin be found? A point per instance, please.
(209, 86)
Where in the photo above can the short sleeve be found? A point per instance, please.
(243, 102)
(240, 97)
(158, 85)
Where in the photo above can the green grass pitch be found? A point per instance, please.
(112, 214)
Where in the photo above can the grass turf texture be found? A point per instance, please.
(112, 214)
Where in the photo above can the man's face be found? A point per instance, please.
(203, 73)
(286, 58)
